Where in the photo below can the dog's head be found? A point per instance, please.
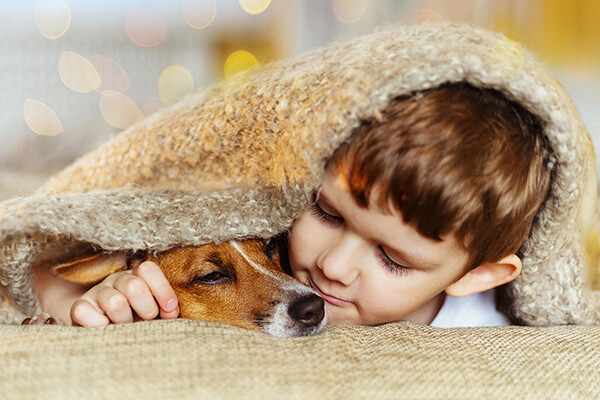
(233, 282)
(236, 283)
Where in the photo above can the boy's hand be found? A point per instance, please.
(144, 291)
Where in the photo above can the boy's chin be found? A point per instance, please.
(337, 316)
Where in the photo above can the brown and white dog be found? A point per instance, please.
(233, 282)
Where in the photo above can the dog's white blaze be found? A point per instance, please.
(236, 246)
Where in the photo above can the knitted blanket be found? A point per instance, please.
(241, 159)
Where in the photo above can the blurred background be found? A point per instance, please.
(76, 72)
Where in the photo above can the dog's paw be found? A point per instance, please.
(42, 319)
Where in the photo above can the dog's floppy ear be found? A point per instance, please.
(90, 270)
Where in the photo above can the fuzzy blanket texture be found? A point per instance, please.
(242, 159)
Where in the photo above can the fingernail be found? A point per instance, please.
(171, 304)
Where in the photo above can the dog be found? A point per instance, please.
(237, 283)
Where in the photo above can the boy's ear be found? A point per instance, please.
(486, 276)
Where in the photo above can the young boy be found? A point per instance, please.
(419, 217)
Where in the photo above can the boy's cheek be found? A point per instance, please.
(306, 242)
(297, 272)
(297, 246)
(299, 275)
(307, 236)
(297, 266)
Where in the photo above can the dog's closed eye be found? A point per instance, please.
(213, 278)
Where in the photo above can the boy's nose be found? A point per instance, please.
(338, 260)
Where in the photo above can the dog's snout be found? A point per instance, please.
(309, 310)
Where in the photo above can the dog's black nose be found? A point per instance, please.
(309, 310)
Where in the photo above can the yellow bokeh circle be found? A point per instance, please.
(254, 7)
(41, 119)
(175, 83)
(349, 11)
(199, 13)
(77, 72)
(239, 61)
(119, 110)
(52, 18)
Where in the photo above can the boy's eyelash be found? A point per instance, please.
(323, 216)
(392, 266)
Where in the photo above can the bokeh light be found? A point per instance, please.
(199, 13)
(507, 56)
(254, 7)
(349, 11)
(41, 119)
(175, 83)
(152, 105)
(239, 61)
(77, 72)
(52, 18)
(112, 75)
(423, 15)
(144, 27)
(119, 110)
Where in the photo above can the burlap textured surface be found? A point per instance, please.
(197, 360)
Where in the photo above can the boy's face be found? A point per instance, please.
(369, 266)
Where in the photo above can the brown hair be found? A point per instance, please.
(454, 160)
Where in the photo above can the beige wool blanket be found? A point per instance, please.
(240, 160)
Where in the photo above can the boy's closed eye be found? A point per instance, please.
(393, 266)
(324, 216)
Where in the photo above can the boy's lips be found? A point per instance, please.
(328, 298)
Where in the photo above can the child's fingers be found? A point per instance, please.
(138, 294)
(161, 288)
(114, 304)
(83, 313)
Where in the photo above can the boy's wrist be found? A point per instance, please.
(55, 295)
